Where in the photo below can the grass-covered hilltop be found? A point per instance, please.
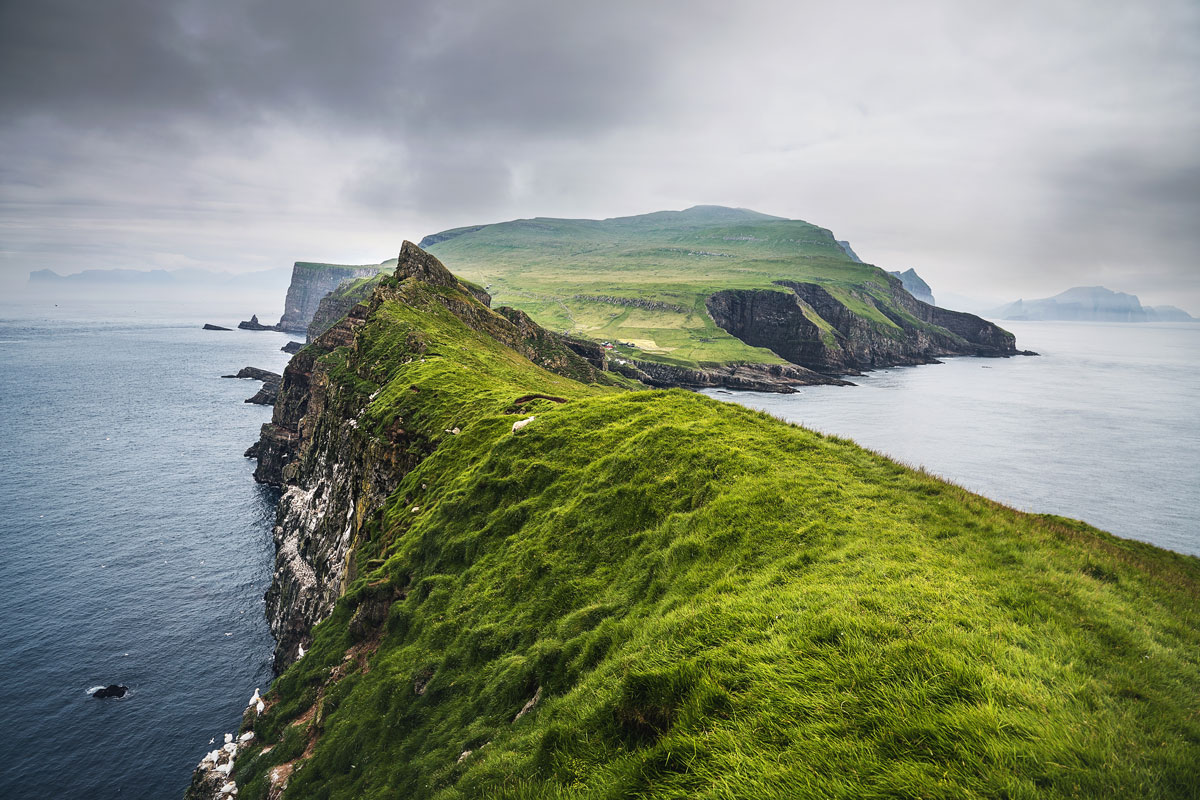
(536, 580)
(711, 286)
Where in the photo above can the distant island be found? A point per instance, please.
(1090, 304)
(714, 296)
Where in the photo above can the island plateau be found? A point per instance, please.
(679, 295)
(504, 570)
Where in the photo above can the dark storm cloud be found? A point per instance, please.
(1003, 148)
(428, 67)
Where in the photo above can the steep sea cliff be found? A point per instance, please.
(812, 327)
(499, 573)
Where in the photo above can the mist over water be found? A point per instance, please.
(1103, 426)
(136, 546)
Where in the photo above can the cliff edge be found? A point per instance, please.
(528, 581)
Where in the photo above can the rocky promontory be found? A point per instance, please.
(270, 388)
(311, 283)
(500, 574)
(807, 325)
(323, 505)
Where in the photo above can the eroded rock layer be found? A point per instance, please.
(808, 325)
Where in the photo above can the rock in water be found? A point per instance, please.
(208, 326)
(255, 325)
(254, 373)
(114, 690)
(293, 347)
(270, 388)
(266, 395)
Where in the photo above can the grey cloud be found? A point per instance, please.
(540, 67)
(1011, 144)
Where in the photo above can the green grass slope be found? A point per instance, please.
(557, 270)
(653, 594)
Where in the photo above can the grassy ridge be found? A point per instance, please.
(553, 269)
(704, 601)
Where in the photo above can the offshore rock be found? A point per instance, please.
(208, 326)
(254, 373)
(254, 325)
(265, 396)
(292, 347)
(114, 690)
(270, 388)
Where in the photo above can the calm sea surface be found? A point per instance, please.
(136, 549)
(1104, 426)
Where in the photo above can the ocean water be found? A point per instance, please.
(1103, 426)
(136, 548)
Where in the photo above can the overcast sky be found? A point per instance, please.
(1003, 149)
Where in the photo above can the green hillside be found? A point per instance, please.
(577, 275)
(654, 594)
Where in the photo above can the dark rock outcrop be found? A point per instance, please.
(112, 690)
(292, 347)
(809, 326)
(633, 302)
(208, 326)
(265, 396)
(337, 304)
(253, 324)
(254, 373)
(778, 378)
(270, 388)
(590, 351)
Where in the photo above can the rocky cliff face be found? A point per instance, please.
(779, 378)
(335, 478)
(809, 326)
(915, 285)
(310, 283)
(338, 303)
